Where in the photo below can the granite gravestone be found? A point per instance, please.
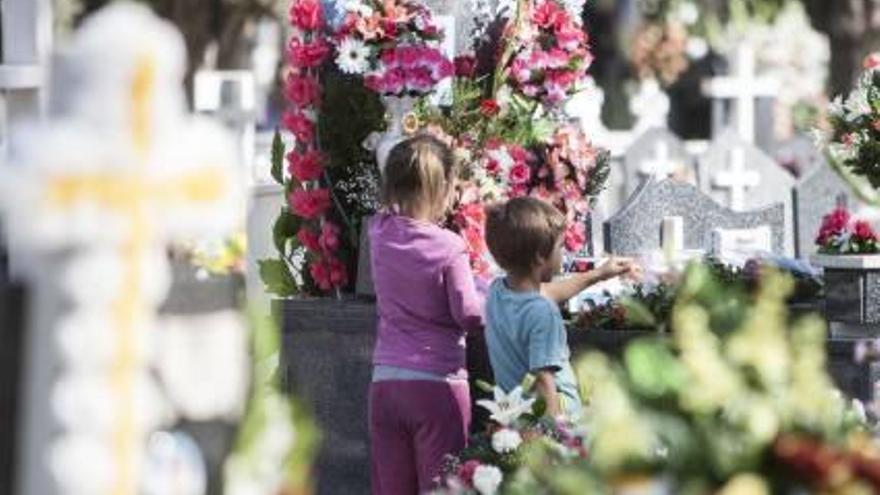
(798, 155)
(815, 196)
(636, 228)
(657, 153)
(741, 177)
(463, 13)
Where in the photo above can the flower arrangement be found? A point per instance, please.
(517, 428)
(854, 141)
(393, 45)
(659, 51)
(840, 233)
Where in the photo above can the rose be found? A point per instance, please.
(302, 90)
(520, 174)
(308, 239)
(489, 108)
(329, 239)
(300, 125)
(307, 55)
(466, 66)
(306, 14)
(305, 166)
(310, 204)
(575, 237)
(863, 231)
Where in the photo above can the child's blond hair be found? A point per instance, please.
(420, 173)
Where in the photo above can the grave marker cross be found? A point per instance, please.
(661, 165)
(743, 87)
(737, 179)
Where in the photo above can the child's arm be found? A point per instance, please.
(465, 303)
(561, 291)
(545, 383)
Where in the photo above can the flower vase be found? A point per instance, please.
(396, 110)
(852, 291)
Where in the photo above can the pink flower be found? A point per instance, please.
(376, 83)
(518, 191)
(419, 79)
(321, 275)
(863, 231)
(305, 166)
(575, 237)
(466, 66)
(549, 14)
(442, 69)
(306, 14)
(409, 57)
(394, 81)
(311, 203)
(338, 272)
(520, 174)
(872, 61)
(302, 90)
(389, 58)
(466, 472)
(329, 239)
(570, 37)
(556, 58)
(521, 70)
(307, 55)
(519, 154)
(308, 239)
(300, 125)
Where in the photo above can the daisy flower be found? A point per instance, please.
(353, 56)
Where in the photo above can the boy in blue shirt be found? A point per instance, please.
(524, 328)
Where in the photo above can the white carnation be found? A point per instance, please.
(506, 440)
(487, 479)
(353, 56)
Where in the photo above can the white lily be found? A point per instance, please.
(507, 407)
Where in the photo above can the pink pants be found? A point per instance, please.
(414, 425)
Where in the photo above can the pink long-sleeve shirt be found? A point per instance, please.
(425, 293)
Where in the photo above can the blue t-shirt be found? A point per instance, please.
(525, 333)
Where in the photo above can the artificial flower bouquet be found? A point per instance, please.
(841, 233)
(854, 140)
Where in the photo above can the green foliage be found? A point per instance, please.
(284, 230)
(277, 278)
(278, 158)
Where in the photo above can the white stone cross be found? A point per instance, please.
(743, 87)
(100, 192)
(661, 165)
(650, 106)
(737, 179)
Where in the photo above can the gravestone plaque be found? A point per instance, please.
(635, 229)
(741, 177)
(815, 196)
(657, 153)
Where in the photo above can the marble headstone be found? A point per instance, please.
(463, 13)
(660, 154)
(741, 177)
(813, 197)
(635, 229)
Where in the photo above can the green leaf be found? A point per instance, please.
(637, 313)
(277, 278)
(278, 158)
(286, 226)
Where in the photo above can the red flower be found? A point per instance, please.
(466, 472)
(338, 272)
(306, 14)
(307, 55)
(321, 275)
(302, 90)
(300, 125)
(575, 237)
(308, 239)
(863, 231)
(310, 204)
(466, 66)
(328, 273)
(305, 166)
(489, 108)
(329, 239)
(872, 61)
(520, 174)
(833, 224)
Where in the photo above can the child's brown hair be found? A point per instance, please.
(420, 173)
(521, 230)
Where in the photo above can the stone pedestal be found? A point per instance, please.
(852, 293)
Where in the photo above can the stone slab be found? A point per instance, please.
(635, 229)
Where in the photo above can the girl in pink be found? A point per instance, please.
(427, 302)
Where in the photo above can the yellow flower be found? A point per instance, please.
(410, 123)
(745, 484)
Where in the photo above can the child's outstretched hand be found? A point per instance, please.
(620, 267)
